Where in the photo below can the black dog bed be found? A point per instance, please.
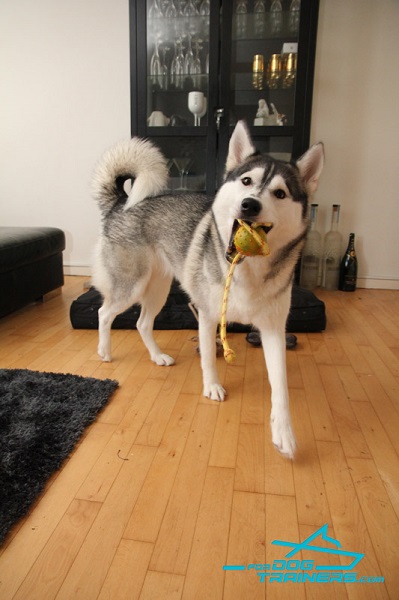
(307, 313)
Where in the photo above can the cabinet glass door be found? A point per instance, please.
(260, 86)
(175, 77)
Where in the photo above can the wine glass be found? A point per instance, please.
(190, 10)
(205, 8)
(170, 11)
(189, 58)
(197, 69)
(182, 164)
(155, 10)
(177, 66)
(196, 104)
(155, 63)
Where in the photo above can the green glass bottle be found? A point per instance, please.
(348, 269)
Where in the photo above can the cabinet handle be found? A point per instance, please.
(219, 112)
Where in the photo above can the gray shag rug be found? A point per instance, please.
(42, 416)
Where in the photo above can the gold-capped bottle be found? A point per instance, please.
(348, 270)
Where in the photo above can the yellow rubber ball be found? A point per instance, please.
(245, 242)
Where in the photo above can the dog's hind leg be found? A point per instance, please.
(106, 315)
(213, 389)
(152, 301)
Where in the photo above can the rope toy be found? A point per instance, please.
(246, 240)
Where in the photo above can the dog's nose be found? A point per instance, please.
(250, 207)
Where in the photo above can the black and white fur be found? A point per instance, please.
(148, 238)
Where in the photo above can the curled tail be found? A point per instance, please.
(135, 159)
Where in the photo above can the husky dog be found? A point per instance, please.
(149, 236)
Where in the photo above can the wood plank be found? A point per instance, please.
(320, 413)
(350, 434)
(209, 548)
(147, 515)
(350, 527)
(126, 575)
(20, 555)
(382, 522)
(250, 470)
(383, 406)
(382, 451)
(318, 590)
(172, 549)
(87, 574)
(52, 565)
(281, 524)
(225, 439)
(246, 546)
(352, 386)
(162, 586)
(312, 504)
(255, 388)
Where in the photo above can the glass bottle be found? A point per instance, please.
(332, 252)
(294, 14)
(311, 253)
(276, 17)
(348, 270)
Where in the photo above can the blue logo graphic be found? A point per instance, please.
(306, 545)
(301, 571)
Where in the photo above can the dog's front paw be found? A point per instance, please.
(163, 360)
(215, 391)
(104, 354)
(283, 435)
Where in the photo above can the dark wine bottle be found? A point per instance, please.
(348, 269)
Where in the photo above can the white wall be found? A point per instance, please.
(356, 114)
(64, 97)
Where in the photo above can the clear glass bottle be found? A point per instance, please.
(348, 269)
(311, 253)
(332, 252)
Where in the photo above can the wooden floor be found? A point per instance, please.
(167, 487)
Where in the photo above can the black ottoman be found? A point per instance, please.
(30, 265)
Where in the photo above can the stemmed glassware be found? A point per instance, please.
(196, 102)
(177, 66)
(155, 10)
(189, 61)
(205, 8)
(182, 163)
(170, 11)
(155, 63)
(190, 10)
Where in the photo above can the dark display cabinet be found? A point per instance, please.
(197, 67)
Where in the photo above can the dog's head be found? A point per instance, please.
(258, 188)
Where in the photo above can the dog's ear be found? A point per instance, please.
(240, 147)
(310, 166)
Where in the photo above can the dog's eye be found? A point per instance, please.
(280, 194)
(246, 181)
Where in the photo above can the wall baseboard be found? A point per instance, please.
(84, 270)
(378, 283)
